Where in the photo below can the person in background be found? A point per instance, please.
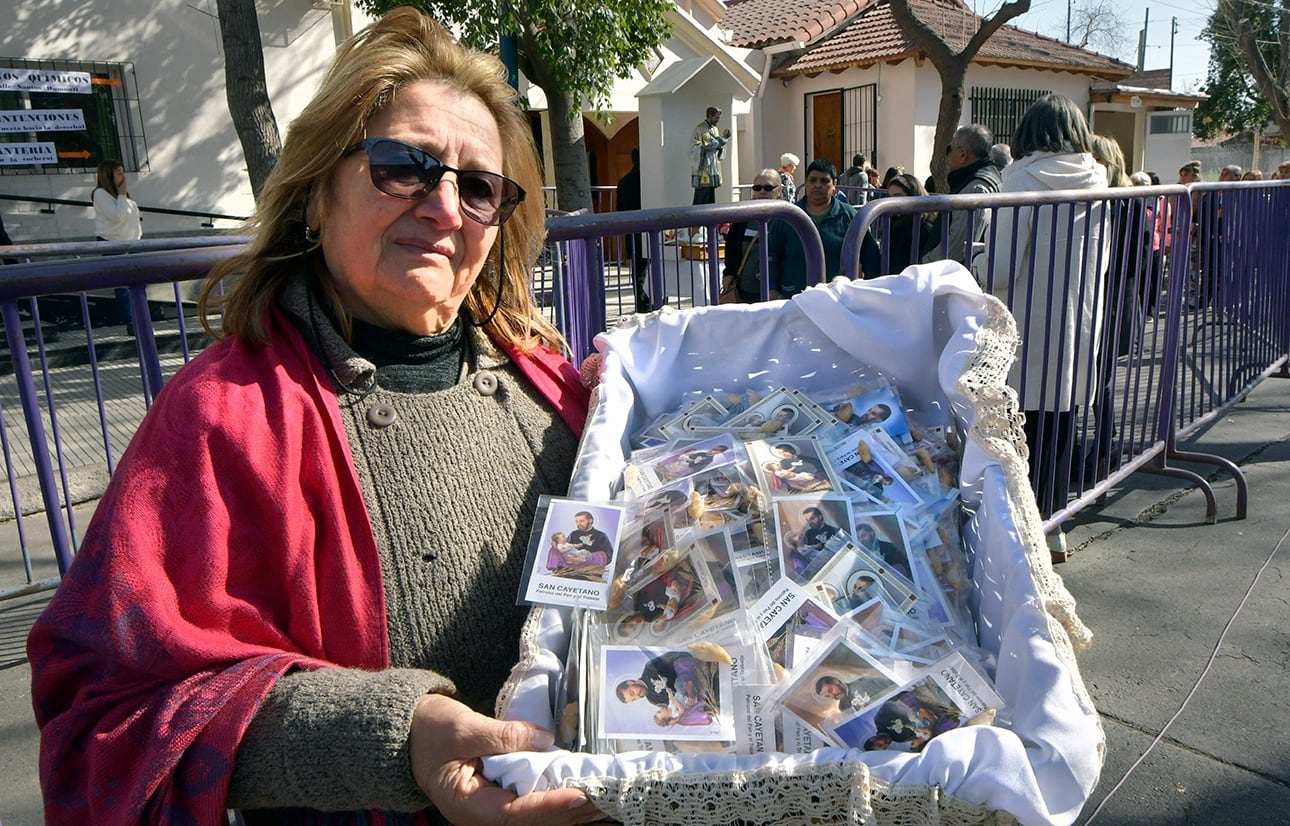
(1253, 175)
(1229, 173)
(1283, 172)
(297, 597)
(5, 241)
(787, 169)
(116, 218)
(832, 217)
(707, 145)
(855, 175)
(971, 173)
(1123, 319)
(628, 197)
(1052, 284)
(903, 248)
(892, 172)
(742, 271)
(1189, 173)
(1000, 156)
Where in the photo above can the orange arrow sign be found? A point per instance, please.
(105, 81)
(84, 153)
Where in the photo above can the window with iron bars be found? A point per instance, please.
(1000, 109)
(113, 120)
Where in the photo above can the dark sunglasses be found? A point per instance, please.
(405, 171)
(765, 187)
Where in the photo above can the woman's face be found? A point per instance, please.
(820, 188)
(118, 178)
(762, 180)
(408, 264)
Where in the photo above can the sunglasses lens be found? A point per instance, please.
(401, 170)
(408, 172)
(487, 197)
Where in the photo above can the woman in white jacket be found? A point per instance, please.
(1048, 266)
(116, 218)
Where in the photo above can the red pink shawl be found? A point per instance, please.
(231, 545)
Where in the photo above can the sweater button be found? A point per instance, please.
(485, 383)
(381, 416)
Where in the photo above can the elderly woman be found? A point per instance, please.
(742, 271)
(1053, 282)
(787, 169)
(298, 594)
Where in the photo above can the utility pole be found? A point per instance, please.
(1142, 41)
(508, 48)
(1172, 34)
(1068, 20)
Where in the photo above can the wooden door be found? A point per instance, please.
(826, 128)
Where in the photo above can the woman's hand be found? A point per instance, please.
(446, 742)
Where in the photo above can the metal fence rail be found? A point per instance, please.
(1162, 328)
(1179, 337)
(81, 383)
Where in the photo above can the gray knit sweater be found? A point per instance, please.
(451, 480)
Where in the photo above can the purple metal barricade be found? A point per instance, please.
(1163, 326)
(1140, 319)
(46, 386)
(682, 262)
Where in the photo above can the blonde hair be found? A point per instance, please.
(1106, 151)
(401, 48)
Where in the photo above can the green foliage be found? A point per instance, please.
(1235, 104)
(576, 47)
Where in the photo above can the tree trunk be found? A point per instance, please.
(246, 90)
(947, 119)
(569, 151)
(952, 67)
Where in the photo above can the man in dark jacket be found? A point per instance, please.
(971, 172)
(629, 198)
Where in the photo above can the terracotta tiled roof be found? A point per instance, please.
(758, 23)
(872, 36)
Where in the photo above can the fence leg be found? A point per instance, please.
(1211, 505)
(1242, 488)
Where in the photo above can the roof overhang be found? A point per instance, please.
(1160, 98)
(707, 71)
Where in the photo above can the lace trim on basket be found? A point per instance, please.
(807, 794)
(999, 430)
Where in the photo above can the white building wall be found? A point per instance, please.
(195, 160)
(908, 106)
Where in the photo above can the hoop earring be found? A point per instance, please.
(311, 236)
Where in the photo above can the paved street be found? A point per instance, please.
(1190, 648)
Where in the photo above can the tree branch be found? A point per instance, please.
(1237, 14)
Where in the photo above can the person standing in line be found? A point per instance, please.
(1051, 283)
(787, 167)
(742, 271)
(116, 218)
(832, 218)
(628, 199)
(855, 175)
(972, 172)
(706, 149)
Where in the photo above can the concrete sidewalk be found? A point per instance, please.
(1159, 588)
